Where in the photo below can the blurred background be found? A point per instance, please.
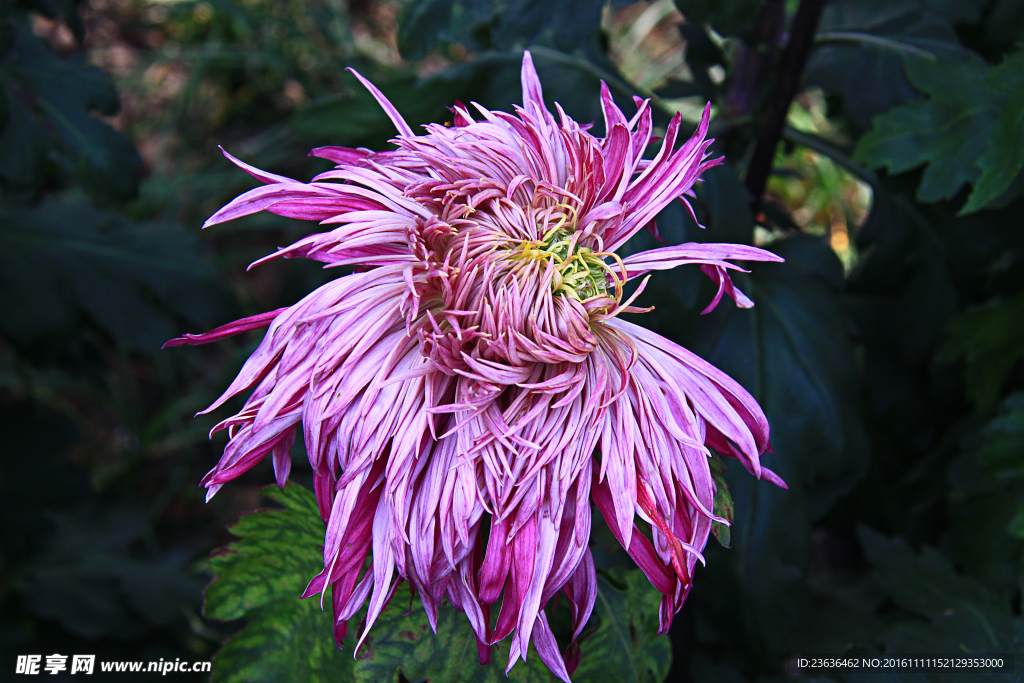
(876, 144)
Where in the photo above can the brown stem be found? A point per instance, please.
(772, 122)
(754, 60)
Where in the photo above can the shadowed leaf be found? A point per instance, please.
(728, 17)
(51, 107)
(66, 258)
(991, 342)
(953, 613)
(261, 578)
(969, 130)
(868, 73)
(497, 24)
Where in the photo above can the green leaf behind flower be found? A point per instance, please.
(990, 339)
(50, 105)
(497, 24)
(792, 352)
(724, 506)
(619, 645)
(625, 645)
(970, 130)
(66, 259)
(401, 643)
(261, 577)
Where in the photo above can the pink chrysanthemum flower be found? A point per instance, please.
(469, 390)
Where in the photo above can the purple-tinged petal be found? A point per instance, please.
(547, 647)
(343, 156)
(262, 176)
(253, 322)
(385, 104)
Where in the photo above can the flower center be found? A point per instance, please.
(579, 272)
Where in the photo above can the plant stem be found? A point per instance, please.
(753, 61)
(787, 81)
(838, 156)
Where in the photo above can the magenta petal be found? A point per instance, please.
(282, 460)
(547, 648)
(262, 176)
(666, 258)
(770, 476)
(253, 322)
(344, 156)
(385, 104)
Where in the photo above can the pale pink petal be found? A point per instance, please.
(385, 104)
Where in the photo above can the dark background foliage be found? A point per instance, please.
(876, 144)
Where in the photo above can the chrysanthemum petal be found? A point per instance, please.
(385, 104)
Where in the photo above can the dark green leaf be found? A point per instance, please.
(1004, 22)
(869, 74)
(261, 578)
(1003, 448)
(723, 503)
(792, 352)
(1002, 161)
(65, 258)
(425, 24)
(924, 584)
(969, 130)
(991, 342)
(728, 17)
(65, 95)
(725, 206)
(988, 488)
(949, 132)
(270, 563)
(955, 613)
(497, 24)
(22, 149)
(956, 11)
(355, 118)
